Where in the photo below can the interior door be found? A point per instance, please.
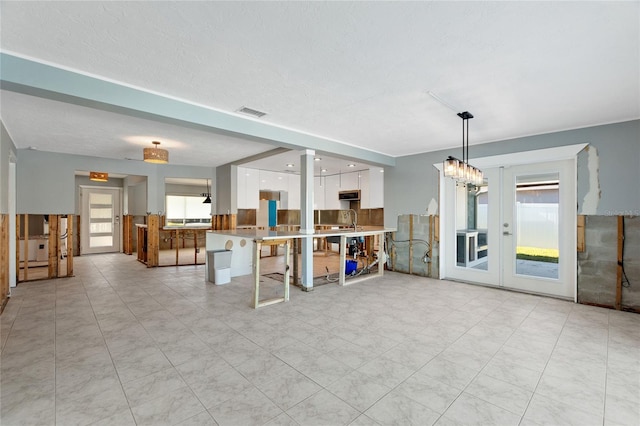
(100, 220)
(516, 230)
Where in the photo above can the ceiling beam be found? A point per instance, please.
(37, 79)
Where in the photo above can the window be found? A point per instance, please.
(184, 210)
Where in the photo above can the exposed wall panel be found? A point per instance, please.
(598, 264)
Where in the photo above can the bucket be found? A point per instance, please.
(350, 267)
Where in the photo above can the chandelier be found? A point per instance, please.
(461, 170)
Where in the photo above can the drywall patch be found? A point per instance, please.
(592, 197)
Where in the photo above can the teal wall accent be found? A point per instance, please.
(7, 150)
(413, 183)
(47, 181)
(37, 79)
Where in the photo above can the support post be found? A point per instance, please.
(54, 241)
(620, 260)
(410, 244)
(153, 240)
(25, 262)
(70, 239)
(306, 216)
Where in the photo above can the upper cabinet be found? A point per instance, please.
(349, 181)
(326, 188)
(319, 184)
(248, 189)
(373, 185)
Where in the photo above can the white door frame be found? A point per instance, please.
(83, 220)
(13, 273)
(568, 152)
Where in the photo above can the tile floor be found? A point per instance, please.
(120, 344)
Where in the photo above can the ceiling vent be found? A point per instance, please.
(252, 112)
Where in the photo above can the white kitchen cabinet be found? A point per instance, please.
(364, 189)
(248, 189)
(349, 181)
(332, 187)
(294, 192)
(318, 192)
(376, 188)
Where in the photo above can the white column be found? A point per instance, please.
(306, 216)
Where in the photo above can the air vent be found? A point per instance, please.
(252, 112)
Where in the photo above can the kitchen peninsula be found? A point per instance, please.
(245, 258)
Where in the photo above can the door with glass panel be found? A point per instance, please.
(100, 220)
(539, 227)
(515, 230)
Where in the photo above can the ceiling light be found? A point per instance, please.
(351, 165)
(317, 159)
(324, 170)
(290, 165)
(207, 195)
(99, 176)
(381, 170)
(155, 154)
(461, 170)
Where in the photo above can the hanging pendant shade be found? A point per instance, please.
(155, 154)
(207, 195)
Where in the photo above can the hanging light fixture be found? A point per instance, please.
(155, 154)
(207, 195)
(99, 176)
(461, 170)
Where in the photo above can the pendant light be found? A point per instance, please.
(461, 170)
(207, 195)
(156, 155)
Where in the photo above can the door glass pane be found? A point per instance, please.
(97, 198)
(101, 213)
(472, 209)
(101, 228)
(537, 224)
(104, 241)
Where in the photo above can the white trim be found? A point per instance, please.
(567, 152)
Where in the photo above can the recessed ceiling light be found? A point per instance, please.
(351, 165)
(279, 177)
(323, 170)
(381, 170)
(33, 148)
(290, 165)
(317, 159)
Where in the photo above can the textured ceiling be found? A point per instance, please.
(355, 72)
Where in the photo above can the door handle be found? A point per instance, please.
(507, 233)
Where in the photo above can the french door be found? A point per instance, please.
(100, 220)
(516, 230)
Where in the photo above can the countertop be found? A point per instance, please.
(265, 234)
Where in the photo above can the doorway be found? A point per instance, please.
(516, 230)
(100, 220)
